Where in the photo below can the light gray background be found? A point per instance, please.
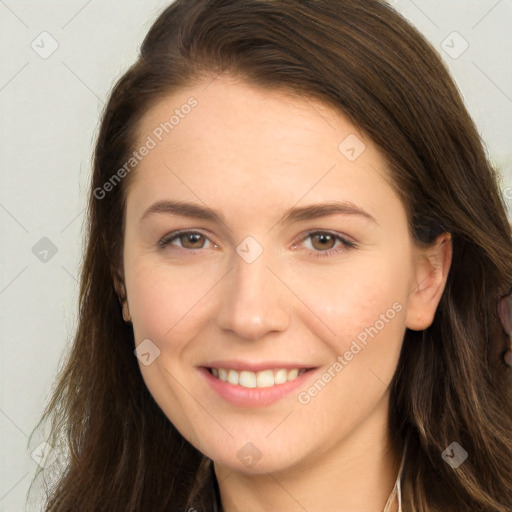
(49, 110)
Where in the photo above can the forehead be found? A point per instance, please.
(227, 111)
(225, 141)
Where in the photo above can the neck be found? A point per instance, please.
(359, 472)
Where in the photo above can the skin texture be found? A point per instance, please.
(252, 154)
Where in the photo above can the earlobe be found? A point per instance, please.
(431, 273)
(120, 290)
(119, 287)
(126, 312)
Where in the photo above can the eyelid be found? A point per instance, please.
(170, 237)
(346, 239)
(346, 242)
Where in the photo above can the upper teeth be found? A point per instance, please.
(263, 379)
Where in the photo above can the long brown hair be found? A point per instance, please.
(119, 451)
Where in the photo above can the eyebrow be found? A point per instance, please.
(295, 214)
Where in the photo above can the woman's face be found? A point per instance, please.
(270, 289)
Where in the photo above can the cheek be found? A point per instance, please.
(164, 300)
(165, 304)
(366, 325)
(350, 299)
(150, 308)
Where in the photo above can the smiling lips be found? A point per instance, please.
(251, 384)
(262, 379)
(255, 385)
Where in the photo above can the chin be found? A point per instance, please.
(253, 455)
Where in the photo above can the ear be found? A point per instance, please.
(431, 272)
(118, 280)
(120, 289)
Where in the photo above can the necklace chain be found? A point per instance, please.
(397, 487)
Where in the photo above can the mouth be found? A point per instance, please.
(260, 386)
(262, 379)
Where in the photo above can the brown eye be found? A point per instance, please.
(189, 240)
(325, 241)
(192, 240)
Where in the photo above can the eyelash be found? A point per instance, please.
(167, 239)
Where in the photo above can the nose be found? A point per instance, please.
(254, 301)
